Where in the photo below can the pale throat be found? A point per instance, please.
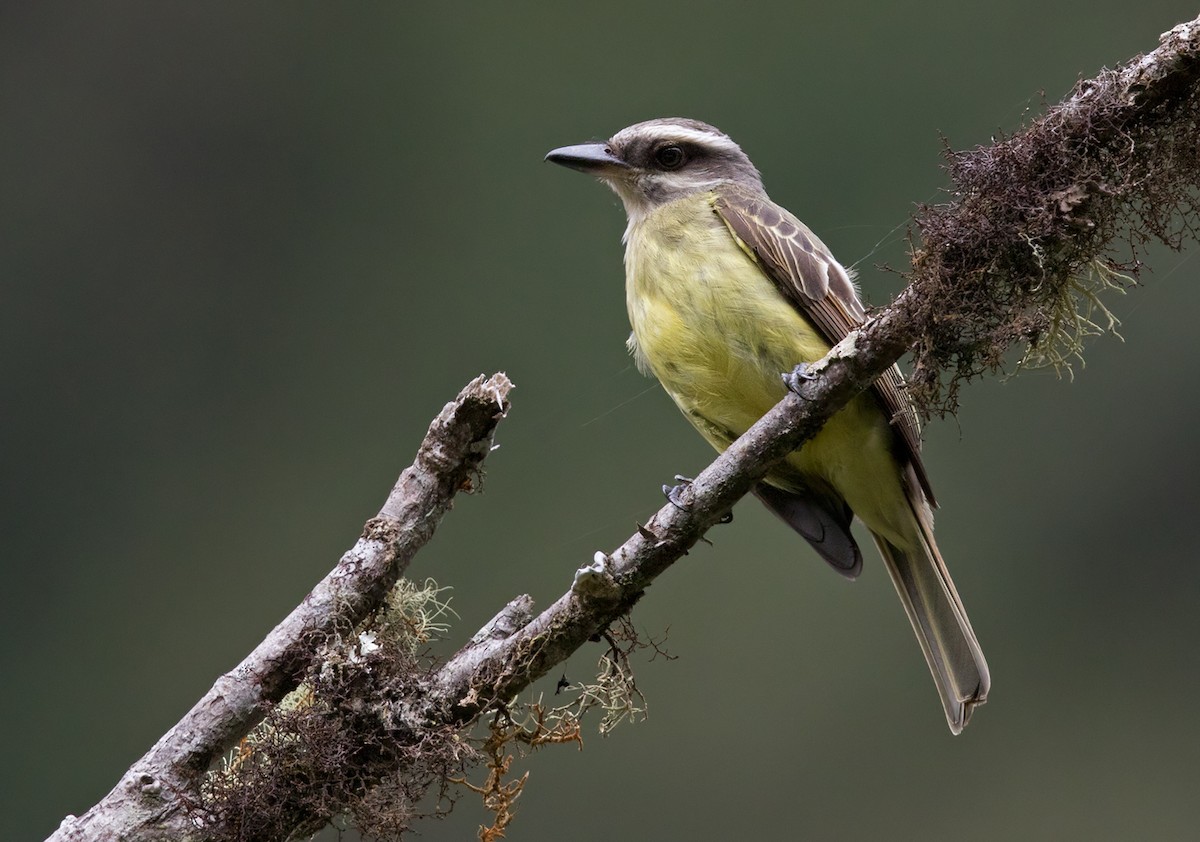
(647, 193)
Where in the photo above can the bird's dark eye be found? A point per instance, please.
(670, 157)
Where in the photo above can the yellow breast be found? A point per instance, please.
(706, 321)
(718, 334)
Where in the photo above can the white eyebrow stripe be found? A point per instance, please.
(686, 135)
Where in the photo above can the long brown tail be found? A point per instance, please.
(939, 620)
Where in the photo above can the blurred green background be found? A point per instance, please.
(247, 251)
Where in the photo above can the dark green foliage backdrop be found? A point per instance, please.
(247, 251)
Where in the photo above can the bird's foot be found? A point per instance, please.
(797, 377)
(673, 492)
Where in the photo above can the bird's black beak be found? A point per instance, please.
(591, 158)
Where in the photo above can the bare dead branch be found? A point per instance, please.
(149, 801)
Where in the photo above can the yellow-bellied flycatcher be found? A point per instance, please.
(727, 290)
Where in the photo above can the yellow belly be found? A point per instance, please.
(717, 334)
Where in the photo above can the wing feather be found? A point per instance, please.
(809, 277)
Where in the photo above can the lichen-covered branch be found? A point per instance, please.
(1044, 223)
(1037, 225)
(152, 800)
(1115, 165)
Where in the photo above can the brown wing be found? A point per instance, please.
(816, 284)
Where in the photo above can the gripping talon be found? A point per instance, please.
(797, 377)
(672, 492)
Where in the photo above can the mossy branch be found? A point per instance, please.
(1037, 226)
(1043, 223)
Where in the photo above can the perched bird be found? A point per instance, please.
(726, 291)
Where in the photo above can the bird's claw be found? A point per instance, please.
(673, 492)
(797, 377)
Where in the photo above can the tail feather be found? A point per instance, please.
(939, 620)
